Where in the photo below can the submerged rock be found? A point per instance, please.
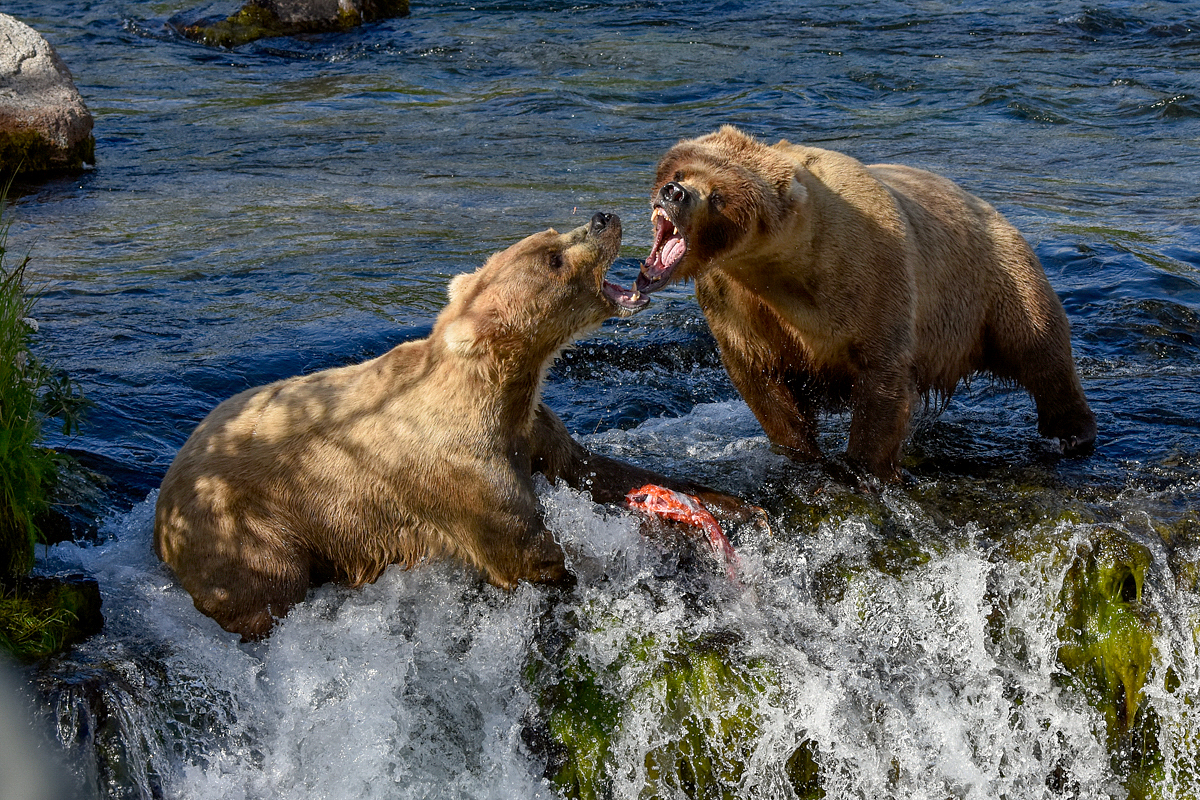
(44, 124)
(1108, 631)
(259, 19)
(79, 499)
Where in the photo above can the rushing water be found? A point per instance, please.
(297, 204)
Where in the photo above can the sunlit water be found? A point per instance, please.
(298, 204)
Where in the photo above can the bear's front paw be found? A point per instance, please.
(1076, 446)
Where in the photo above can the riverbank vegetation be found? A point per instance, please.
(36, 618)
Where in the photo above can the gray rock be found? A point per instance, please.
(44, 125)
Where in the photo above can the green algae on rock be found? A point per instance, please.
(28, 151)
(260, 19)
(1109, 653)
(1107, 631)
(693, 710)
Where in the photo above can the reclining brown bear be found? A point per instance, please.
(427, 451)
(828, 282)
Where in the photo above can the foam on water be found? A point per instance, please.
(418, 685)
(410, 687)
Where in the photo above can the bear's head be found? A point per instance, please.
(528, 302)
(709, 195)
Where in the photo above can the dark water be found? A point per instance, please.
(301, 203)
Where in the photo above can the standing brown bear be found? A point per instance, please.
(828, 282)
(427, 451)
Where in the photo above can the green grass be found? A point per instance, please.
(25, 468)
(31, 392)
(29, 629)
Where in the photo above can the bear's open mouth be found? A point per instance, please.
(627, 301)
(667, 251)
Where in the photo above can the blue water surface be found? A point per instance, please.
(299, 203)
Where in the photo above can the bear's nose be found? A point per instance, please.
(600, 221)
(672, 193)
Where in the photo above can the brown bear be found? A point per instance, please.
(425, 452)
(828, 282)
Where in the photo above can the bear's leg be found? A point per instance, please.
(788, 417)
(881, 409)
(509, 543)
(1033, 347)
(764, 361)
(544, 560)
(1063, 411)
(788, 421)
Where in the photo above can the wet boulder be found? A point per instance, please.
(44, 124)
(259, 19)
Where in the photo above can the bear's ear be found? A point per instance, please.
(797, 194)
(460, 285)
(475, 333)
(735, 137)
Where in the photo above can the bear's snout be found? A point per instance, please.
(600, 221)
(673, 193)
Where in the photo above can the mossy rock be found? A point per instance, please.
(29, 152)
(1108, 653)
(999, 509)
(262, 19)
(78, 500)
(44, 124)
(1180, 534)
(709, 727)
(582, 718)
(808, 509)
(693, 705)
(1107, 632)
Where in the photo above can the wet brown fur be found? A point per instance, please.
(829, 282)
(425, 452)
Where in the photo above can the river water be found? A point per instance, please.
(297, 204)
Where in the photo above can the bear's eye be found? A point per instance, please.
(717, 200)
(678, 175)
(556, 261)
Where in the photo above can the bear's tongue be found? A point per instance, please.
(672, 252)
(669, 248)
(626, 300)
